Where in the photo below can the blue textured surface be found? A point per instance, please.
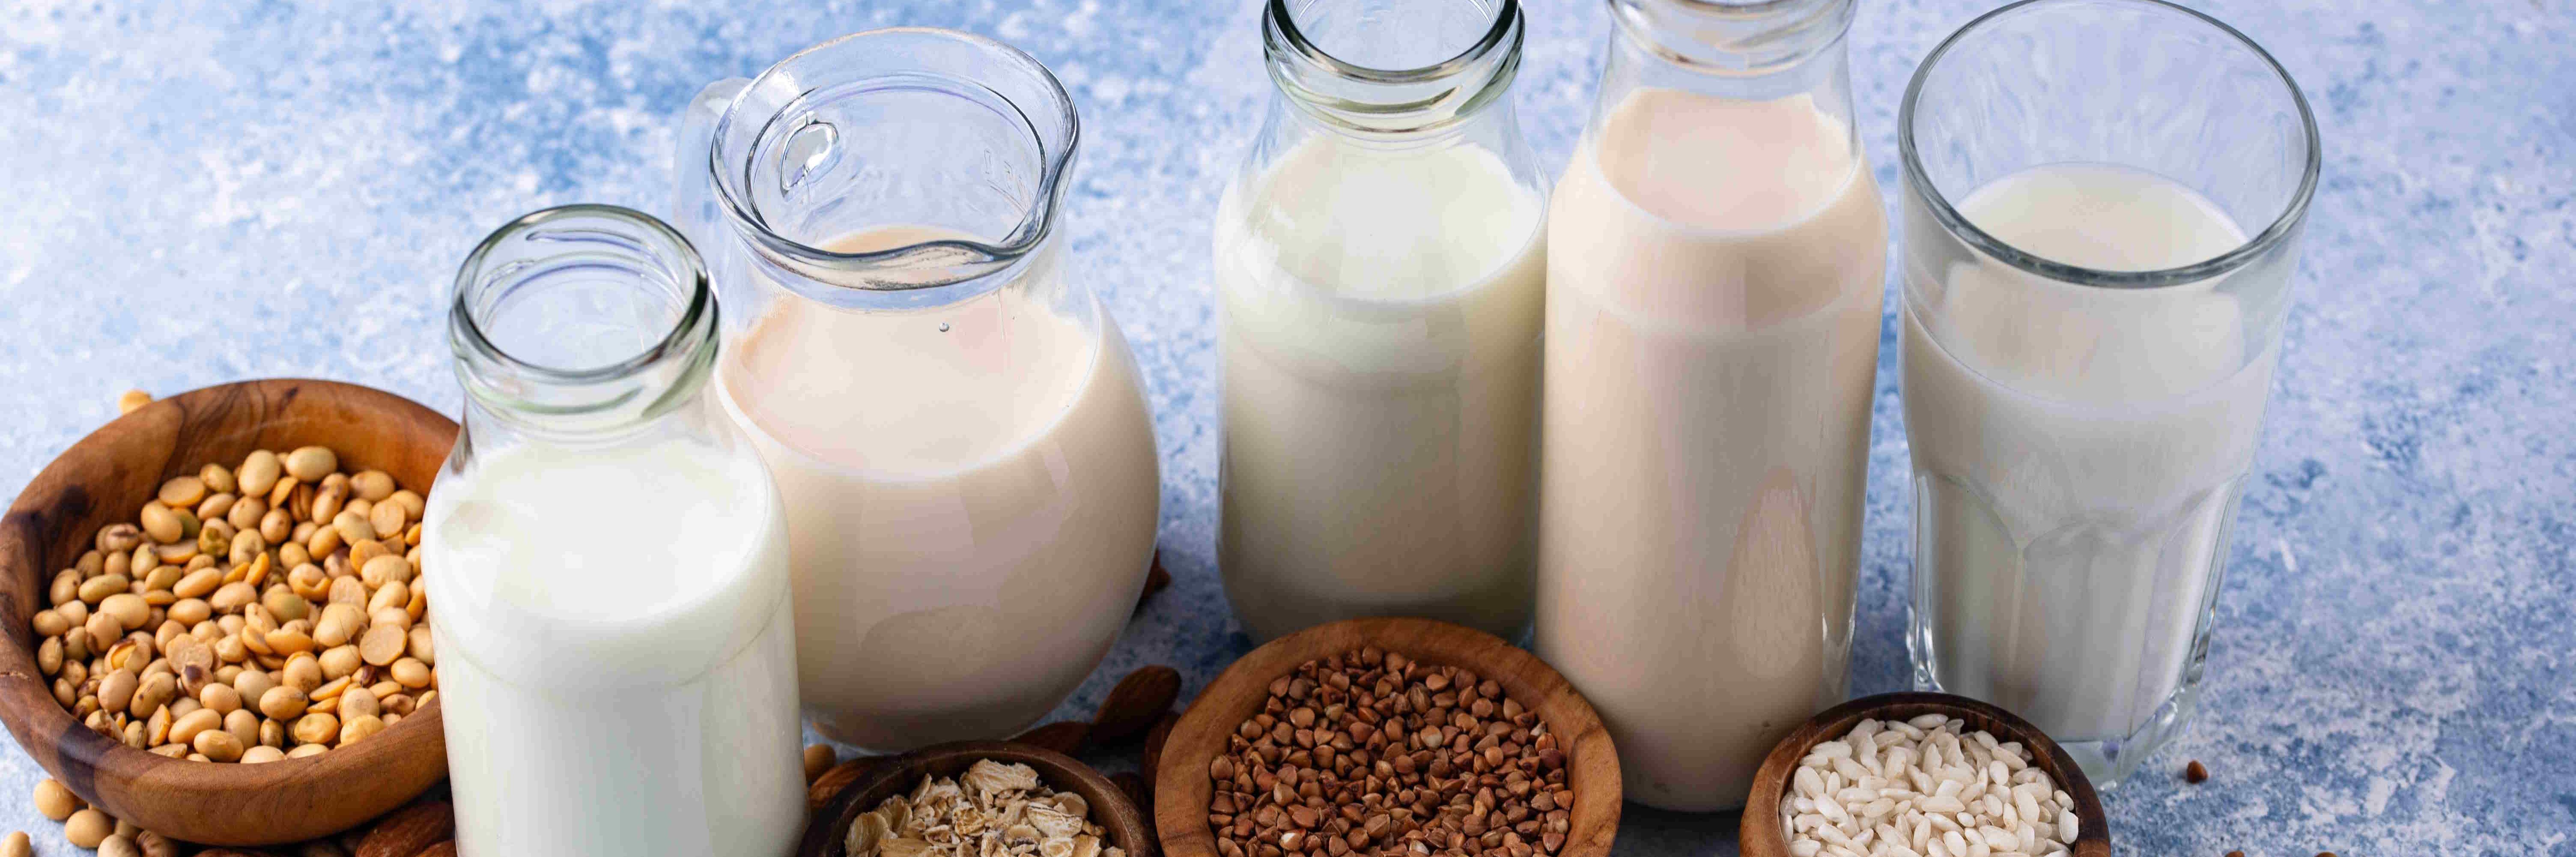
(207, 191)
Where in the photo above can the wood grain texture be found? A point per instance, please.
(827, 835)
(106, 478)
(1182, 790)
(1760, 834)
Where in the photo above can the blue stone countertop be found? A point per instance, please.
(206, 191)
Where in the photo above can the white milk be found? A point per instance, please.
(971, 493)
(2077, 450)
(615, 655)
(1714, 283)
(1382, 312)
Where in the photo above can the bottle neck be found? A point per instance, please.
(585, 324)
(1394, 71)
(1742, 51)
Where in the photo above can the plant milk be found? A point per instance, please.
(972, 493)
(1381, 312)
(2077, 450)
(616, 663)
(1714, 284)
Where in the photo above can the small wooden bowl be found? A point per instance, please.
(828, 835)
(1181, 789)
(105, 479)
(1760, 835)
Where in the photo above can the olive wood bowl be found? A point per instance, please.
(1760, 834)
(105, 479)
(1181, 789)
(1119, 818)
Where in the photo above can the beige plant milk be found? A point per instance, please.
(971, 498)
(1714, 285)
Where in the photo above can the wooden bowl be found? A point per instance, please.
(828, 835)
(1760, 834)
(1182, 791)
(105, 479)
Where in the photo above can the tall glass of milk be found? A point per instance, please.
(617, 657)
(1716, 255)
(2102, 211)
(957, 427)
(1380, 268)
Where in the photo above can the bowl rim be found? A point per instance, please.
(81, 759)
(826, 826)
(1759, 832)
(1182, 792)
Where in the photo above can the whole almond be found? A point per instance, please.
(1141, 698)
(819, 758)
(1063, 736)
(840, 777)
(1155, 579)
(410, 830)
(443, 849)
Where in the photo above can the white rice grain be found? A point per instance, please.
(1923, 787)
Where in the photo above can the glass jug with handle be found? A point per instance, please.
(958, 430)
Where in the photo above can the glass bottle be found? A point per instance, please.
(1379, 267)
(1715, 276)
(958, 428)
(616, 662)
(2102, 211)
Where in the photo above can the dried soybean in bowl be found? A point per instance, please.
(1921, 787)
(1374, 753)
(248, 614)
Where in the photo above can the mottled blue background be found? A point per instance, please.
(200, 192)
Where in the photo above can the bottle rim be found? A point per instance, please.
(692, 328)
(2274, 234)
(583, 401)
(1506, 15)
(1735, 37)
(1392, 101)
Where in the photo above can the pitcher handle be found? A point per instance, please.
(695, 208)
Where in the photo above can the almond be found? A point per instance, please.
(841, 776)
(1141, 698)
(409, 830)
(443, 849)
(1063, 736)
(1155, 579)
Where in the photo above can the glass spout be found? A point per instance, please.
(906, 127)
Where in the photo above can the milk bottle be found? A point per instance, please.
(1715, 253)
(616, 653)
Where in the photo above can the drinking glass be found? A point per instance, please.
(2102, 210)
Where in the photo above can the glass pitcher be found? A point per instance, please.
(1716, 255)
(1380, 267)
(617, 661)
(959, 431)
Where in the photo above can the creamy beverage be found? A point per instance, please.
(971, 494)
(1381, 312)
(616, 660)
(1714, 271)
(2078, 450)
